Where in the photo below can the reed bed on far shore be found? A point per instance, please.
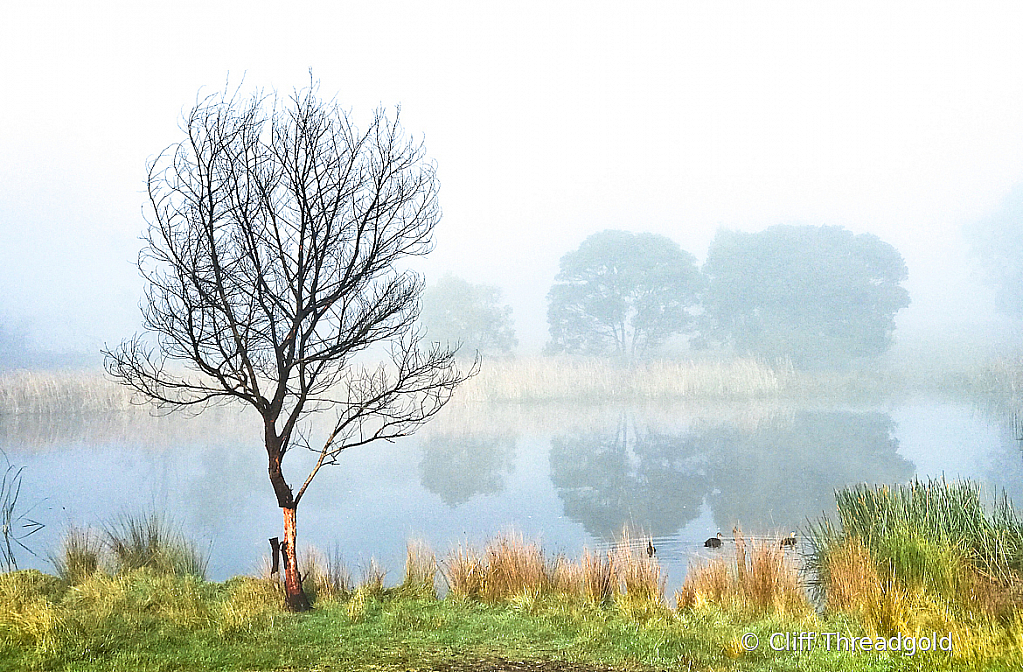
(523, 380)
(579, 381)
(61, 392)
(542, 379)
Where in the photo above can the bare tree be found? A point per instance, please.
(272, 259)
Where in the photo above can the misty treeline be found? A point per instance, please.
(994, 243)
(18, 351)
(816, 296)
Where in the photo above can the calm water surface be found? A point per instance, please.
(567, 477)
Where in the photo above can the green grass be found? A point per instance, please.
(144, 621)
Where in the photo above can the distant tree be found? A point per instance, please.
(272, 260)
(457, 311)
(14, 350)
(995, 241)
(814, 294)
(622, 294)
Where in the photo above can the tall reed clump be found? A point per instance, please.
(921, 555)
(947, 513)
(152, 541)
(759, 579)
(15, 526)
(80, 555)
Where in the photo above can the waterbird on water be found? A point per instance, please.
(789, 541)
(713, 542)
(650, 550)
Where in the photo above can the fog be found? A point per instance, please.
(547, 124)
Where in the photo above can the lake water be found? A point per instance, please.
(568, 477)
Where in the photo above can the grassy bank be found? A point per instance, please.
(121, 604)
(140, 621)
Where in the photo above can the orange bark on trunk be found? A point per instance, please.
(294, 595)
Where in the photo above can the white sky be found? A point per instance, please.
(548, 121)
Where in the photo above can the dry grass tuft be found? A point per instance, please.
(153, 541)
(639, 575)
(464, 573)
(323, 577)
(420, 570)
(852, 581)
(565, 577)
(250, 606)
(513, 566)
(372, 582)
(600, 576)
(761, 580)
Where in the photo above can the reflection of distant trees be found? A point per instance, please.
(457, 467)
(788, 469)
(775, 475)
(1006, 467)
(646, 479)
(137, 427)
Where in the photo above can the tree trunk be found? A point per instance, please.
(294, 596)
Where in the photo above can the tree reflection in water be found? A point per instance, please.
(458, 467)
(770, 477)
(788, 469)
(648, 480)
